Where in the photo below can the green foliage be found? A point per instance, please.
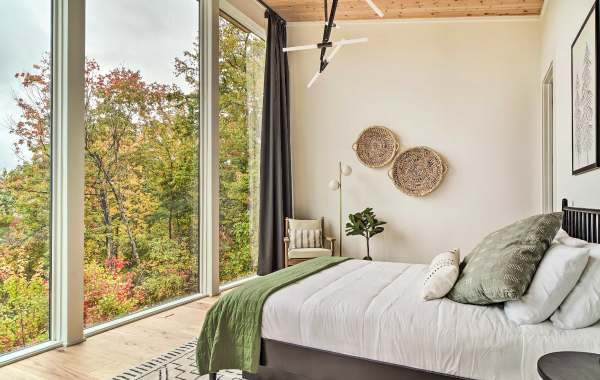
(110, 306)
(166, 271)
(141, 188)
(23, 311)
(162, 288)
(365, 224)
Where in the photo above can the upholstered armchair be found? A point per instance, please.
(305, 240)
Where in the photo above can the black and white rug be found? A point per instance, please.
(179, 364)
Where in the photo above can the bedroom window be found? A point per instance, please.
(25, 172)
(241, 75)
(141, 155)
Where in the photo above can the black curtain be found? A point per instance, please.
(275, 159)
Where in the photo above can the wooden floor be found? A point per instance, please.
(108, 354)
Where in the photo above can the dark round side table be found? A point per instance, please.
(569, 365)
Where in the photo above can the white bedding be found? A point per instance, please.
(374, 310)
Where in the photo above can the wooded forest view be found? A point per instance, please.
(141, 186)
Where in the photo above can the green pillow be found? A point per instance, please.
(502, 266)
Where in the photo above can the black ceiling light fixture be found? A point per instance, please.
(327, 43)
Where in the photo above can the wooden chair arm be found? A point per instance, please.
(286, 244)
(331, 241)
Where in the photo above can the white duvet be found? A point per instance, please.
(374, 310)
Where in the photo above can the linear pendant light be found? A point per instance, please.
(327, 43)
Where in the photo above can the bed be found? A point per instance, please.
(361, 320)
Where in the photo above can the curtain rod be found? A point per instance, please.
(261, 2)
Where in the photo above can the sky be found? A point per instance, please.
(144, 35)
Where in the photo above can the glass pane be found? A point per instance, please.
(242, 60)
(141, 154)
(24, 172)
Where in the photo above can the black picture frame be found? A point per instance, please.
(595, 165)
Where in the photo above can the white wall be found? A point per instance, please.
(469, 89)
(252, 9)
(561, 22)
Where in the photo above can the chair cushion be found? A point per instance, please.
(298, 224)
(308, 253)
(305, 238)
(305, 233)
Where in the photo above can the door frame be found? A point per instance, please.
(548, 167)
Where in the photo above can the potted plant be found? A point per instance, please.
(365, 224)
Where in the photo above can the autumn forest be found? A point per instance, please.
(141, 186)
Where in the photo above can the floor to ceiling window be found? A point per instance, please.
(25, 173)
(144, 204)
(141, 155)
(241, 66)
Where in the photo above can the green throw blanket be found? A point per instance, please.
(230, 337)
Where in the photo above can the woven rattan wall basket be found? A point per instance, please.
(376, 147)
(418, 171)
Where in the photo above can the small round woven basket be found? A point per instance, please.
(376, 147)
(418, 171)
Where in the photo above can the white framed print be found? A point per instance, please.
(584, 84)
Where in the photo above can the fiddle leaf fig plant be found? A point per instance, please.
(365, 224)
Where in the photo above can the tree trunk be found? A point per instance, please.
(170, 224)
(120, 206)
(107, 224)
(126, 222)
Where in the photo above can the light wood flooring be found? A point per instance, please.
(110, 353)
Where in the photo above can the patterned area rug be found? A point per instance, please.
(179, 364)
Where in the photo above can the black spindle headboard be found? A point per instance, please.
(581, 223)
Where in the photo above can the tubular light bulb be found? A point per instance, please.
(375, 8)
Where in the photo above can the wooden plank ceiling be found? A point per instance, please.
(312, 10)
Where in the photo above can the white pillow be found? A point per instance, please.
(562, 237)
(555, 277)
(582, 307)
(443, 273)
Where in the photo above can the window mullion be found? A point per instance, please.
(209, 147)
(68, 133)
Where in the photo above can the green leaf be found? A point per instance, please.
(364, 223)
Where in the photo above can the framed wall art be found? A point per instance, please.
(584, 85)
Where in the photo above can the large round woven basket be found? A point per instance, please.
(376, 147)
(418, 171)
